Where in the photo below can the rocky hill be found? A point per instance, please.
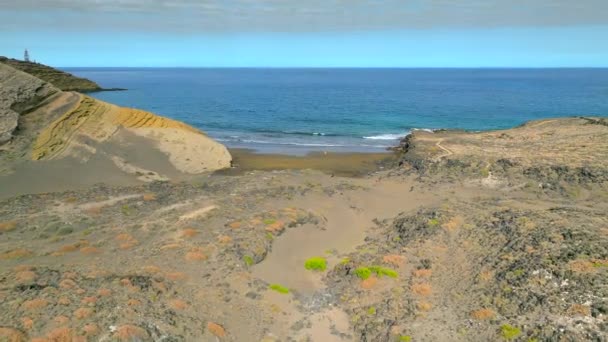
(40, 122)
(60, 79)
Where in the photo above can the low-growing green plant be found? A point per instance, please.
(433, 222)
(383, 271)
(269, 221)
(316, 264)
(363, 272)
(279, 288)
(248, 260)
(269, 236)
(371, 310)
(344, 261)
(404, 338)
(509, 332)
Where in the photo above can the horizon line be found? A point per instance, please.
(338, 67)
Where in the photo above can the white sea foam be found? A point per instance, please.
(389, 136)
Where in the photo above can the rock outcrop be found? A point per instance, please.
(19, 94)
(41, 122)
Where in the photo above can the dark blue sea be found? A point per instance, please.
(301, 110)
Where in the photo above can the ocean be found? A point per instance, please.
(296, 111)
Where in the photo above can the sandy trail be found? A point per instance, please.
(348, 217)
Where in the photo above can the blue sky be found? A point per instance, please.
(329, 33)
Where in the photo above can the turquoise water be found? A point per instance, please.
(299, 110)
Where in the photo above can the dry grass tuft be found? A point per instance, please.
(83, 313)
(394, 259)
(64, 301)
(224, 239)
(91, 329)
(25, 276)
(61, 320)
(422, 273)
(7, 226)
(133, 302)
(483, 314)
(422, 289)
(103, 292)
(178, 304)
(369, 283)
(195, 255)
(16, 254)
(276, 227)
(152, 269)
(67, 284)
(149, 197)
(582, 266)
(130, 333)
(579, 310)
(189, 233)
(34, 304)
(424, 306)
(89, 300)
(453, 224)
(27, 323)
(176, 276)
(216, 329)
(90, 250)
(235, 224)
(486, 276)
(11, 335)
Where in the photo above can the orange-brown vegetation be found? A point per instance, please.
(152, 269)
(34, 304)
(82, 313)
(369, 283)
(130, 333)
(67, 284)
(89, 300)
(235, 224)
(103, 292)
(64, 301)
(7, 226)
(486, 276)
(224, 239)
(11, 335)
(175, 276)
(394, 259)
(582, 266)
(453, 224)
(195, 255)
(170, 246)
(579, 310)
(91, 329)
(149, 197)
(189, 233)
(90, 250)
(216, 329)
(27, 323)
(424, 306)
(133, 302)
(482, 314)
(16, 254)
(422, 273)
(276, 227)
(25, 276)
(422, 289)
(93, 211)
(61, 320)
(178, 304)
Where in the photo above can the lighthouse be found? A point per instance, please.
(26, 56)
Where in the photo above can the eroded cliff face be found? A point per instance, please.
(19, 94)
(40, 122)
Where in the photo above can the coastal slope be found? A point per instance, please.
(60, 79)
(40, 123)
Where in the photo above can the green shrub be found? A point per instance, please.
(383, 271)
(248, 260)
(404, 338)
(316, 264)
(279, 288)
(509, 332)
(433, 222)
(269, 221)
(363, 272)
(371, 310)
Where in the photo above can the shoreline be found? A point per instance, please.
(352, 164)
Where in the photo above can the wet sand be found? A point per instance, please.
(340, 164)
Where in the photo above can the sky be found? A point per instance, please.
(307, 33)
